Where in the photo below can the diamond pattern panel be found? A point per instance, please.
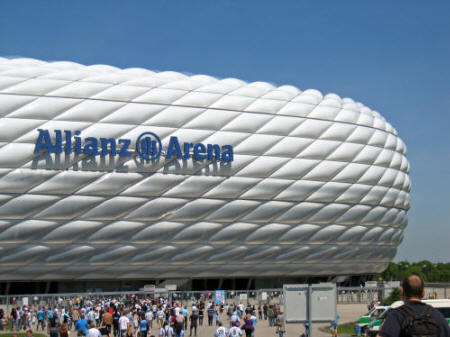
(319, 184)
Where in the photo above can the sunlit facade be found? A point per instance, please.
(110, 173)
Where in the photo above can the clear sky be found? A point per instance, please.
(393, 56)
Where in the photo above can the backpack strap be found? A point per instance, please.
(427, 311)
(408, 315)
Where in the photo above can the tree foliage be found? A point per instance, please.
(396, 295)
(428, 271)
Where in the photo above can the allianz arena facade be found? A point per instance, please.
(110, 173)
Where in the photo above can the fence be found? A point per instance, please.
(345, 295)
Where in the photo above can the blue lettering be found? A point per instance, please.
(227, 153)
(68, 134)
(199, 152)
(112, 146)
(58, 141)
(44, 142)
(174, 148)
(77, 143)
(213, 148)
(187, 147)
(91, 146)
(124, 149)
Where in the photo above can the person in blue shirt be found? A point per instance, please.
(40, 318)
(81, 326)
(49, 313)
(185, 314)
(143, 326)
(211, 311)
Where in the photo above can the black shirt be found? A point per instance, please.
(391, 326)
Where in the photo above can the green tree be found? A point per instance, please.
(429, 271)
(396, 295)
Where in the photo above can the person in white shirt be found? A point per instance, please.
(160, 316)
(166, 331)
(93, 331)
(234, 318)
(221, 331)
(149, 318)
(234, 330)
(123, 324)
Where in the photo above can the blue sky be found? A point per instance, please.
(393, 56)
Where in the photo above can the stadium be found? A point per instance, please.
(111, 174)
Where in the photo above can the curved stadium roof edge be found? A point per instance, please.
(107, 74)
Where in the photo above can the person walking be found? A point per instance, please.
(194, 321)
(160, 316)
(211, 311)
(414, 318)
(81, 326)
(200, 316)
(124, 322)
(234, 331)
(53, 328)
(107, 319)
(166, 330)
(40, 319)
(221, 331)
(149, 318)
(64, 330)
(14, 317)
(93, 331)
(116, 317)
(270, 315)
(248, 325)
(143, 326)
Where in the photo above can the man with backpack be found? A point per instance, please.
(414, 318)
(166, 330)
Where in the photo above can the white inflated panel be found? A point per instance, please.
(318, 186)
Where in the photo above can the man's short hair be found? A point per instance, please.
(412, 286)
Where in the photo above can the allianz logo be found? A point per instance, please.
(148, 146)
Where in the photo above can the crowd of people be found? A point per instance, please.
(131, 316)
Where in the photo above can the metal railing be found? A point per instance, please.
(345, 295)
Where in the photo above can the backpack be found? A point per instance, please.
(423, 325)
(248, 324)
